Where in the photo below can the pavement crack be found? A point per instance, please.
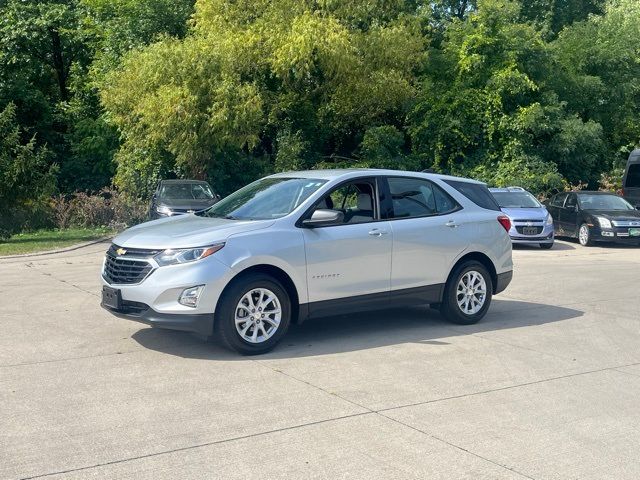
(50, 275)
(458, 447)
(193, 447)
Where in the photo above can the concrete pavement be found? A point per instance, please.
(545, 387)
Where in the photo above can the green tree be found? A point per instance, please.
(27, 177)
(277, 79)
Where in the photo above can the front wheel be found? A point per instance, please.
(584, 235)
(253, 315)
(467, 294)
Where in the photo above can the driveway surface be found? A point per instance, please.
(547, 386)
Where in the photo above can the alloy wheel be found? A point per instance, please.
(258, 315)
(471, 292)
(583, 235)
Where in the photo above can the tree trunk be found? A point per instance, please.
(58, 63)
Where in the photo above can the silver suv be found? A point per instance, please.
(308, 244)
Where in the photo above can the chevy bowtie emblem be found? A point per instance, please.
(121, 251)
(529, 224)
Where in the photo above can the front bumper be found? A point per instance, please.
(201, 324)
(154, 301)
(618, 235)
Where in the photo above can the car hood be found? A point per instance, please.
(185, 231)
(526, 213)
(632, 215)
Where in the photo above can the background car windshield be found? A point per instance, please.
(603, 202)
(516, 200)
(266, 198)
(186, 191)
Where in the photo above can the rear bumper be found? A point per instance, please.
(201, 324)
(504, 279)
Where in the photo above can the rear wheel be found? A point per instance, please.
(253, 315)
(467, 294)
(584, 235)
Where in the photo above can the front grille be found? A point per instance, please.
(125, 271)
(530, 230)
(127, 266)
(626, 223)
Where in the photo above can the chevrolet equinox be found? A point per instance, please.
(297, 245)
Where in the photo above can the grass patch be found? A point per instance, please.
(43, 240)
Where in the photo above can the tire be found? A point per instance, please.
(241, 297)
(584, 235)
(451, 309)
(546, 246)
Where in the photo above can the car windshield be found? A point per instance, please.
(265, 198)
(603, 202)
(516, 200)
(185, 191)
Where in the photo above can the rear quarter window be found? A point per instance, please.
(477, 193)
(633, 176)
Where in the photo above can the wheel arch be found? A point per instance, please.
(282, 277)
(484, 260)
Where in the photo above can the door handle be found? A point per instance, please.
(376, 232)
(451, 224)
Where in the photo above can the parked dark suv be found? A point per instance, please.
(631, 179)
(176, 197)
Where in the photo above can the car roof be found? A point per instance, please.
(507, 189)
(592, 192)
(173, 181)
(347, 173)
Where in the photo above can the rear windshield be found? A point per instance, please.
(516, 200)
(478, 193)
(633, 176)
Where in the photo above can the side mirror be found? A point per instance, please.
(576, 208)
(323, 217)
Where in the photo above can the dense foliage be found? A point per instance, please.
(539, 93)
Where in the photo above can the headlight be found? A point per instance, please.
(164, 210)
(604, 222)
(186, 255)
(549, 220)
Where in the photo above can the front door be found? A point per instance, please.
(569, 215)
(352, 258)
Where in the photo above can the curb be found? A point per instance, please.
(70, 248)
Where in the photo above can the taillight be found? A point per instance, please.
(505, 222)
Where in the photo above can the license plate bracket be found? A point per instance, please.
(111, 297)
(530, 230)
(634, 232)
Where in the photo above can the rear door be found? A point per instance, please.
(428, 228)
(554, 207)
(354, 257)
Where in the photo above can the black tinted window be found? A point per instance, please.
(571, 201)
(415, 197)
(477, 193)
(558, 200)
(633, 176)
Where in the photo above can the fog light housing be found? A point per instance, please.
(190, 296)
(607, 234)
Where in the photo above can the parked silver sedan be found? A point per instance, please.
(308, 244)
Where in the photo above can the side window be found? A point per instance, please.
(633, 176)
(558, 200)
(415, 197)
(444, 202)
(478, 193)
(356, 200)
(571, 201)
